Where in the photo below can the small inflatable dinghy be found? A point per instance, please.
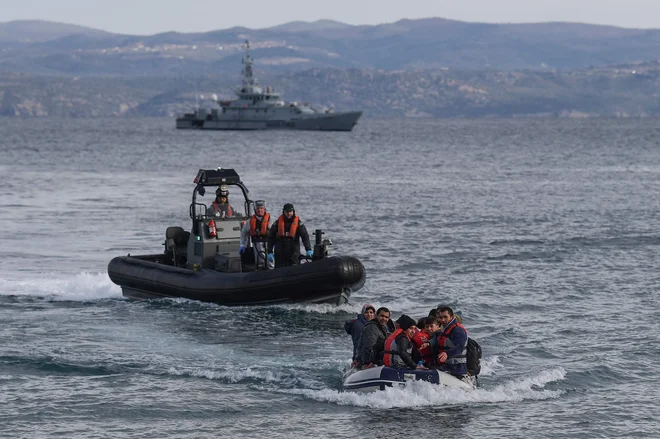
(381, 377)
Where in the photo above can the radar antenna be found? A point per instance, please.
(248, 75)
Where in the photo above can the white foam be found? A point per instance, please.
(81, 287)
(423, 394)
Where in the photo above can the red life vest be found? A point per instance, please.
(219, 209)
(292, 230)
(419, 339)
(387, 357)
(263, 230)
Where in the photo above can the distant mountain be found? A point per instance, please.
(46, 48)
(310, 26)
(35, 31)
(627, 90)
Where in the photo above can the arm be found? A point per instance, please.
(302, 231)
(368, 340)
(459, 338)
(348, 326)
(272, 234)
(403, 344)
(245, 234)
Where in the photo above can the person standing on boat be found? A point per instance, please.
(398, 346)
(256, 230)
(450, 343)
(284, 239)
(372, 340)
(354, 327)
(220, 207)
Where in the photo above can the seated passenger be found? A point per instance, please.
(372, 340)
(450, 343)
(354, 327)
(220, 207)
(398, 346)
(420, 340)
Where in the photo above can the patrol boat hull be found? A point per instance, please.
(382, 377)
(329, 280)
(313, 122)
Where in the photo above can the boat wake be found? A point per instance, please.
(81, 287)
(424, 394)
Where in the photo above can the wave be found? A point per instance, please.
(423, 394)
(81, 287)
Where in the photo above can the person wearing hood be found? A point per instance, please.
(284, 239)
(256, 231)
(354, 327)
(398, 346)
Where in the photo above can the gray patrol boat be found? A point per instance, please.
(261, 108)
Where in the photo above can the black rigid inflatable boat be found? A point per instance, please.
(205, 266)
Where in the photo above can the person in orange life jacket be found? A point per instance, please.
(284, 239)
(372, 340)
(450, 343)
(256, 229)
(354, 327)
(220, 208)
(398, 346)
(420, 340)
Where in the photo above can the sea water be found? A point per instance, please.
(543, 233)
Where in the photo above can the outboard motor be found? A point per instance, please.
(320, 246)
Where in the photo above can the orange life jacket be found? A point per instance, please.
(292, 230)
(263, 230)
(387, 357)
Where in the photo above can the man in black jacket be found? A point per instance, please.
(372, 339)
(284, 239)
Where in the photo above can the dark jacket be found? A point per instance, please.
(287, 249)
(403, 357)
(354, 329)
(372, 343)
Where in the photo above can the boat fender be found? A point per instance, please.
(473, 357)
(212, 230)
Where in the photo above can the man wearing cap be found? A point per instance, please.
(220, 207)
(284, 238)
(398, 346)
(256, 230)
(354, 327)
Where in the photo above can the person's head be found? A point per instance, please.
(407, 324)
(288, 210)
(383, 315)
(433, 312)
(222, 194)
(368, 311)
(431, 325)
(260, 207)
(444, 315)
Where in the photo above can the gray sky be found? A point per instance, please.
(153, 16)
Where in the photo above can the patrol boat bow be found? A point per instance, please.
(260, 108)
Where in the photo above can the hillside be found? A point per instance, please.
(44, 48)
(626, 90)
